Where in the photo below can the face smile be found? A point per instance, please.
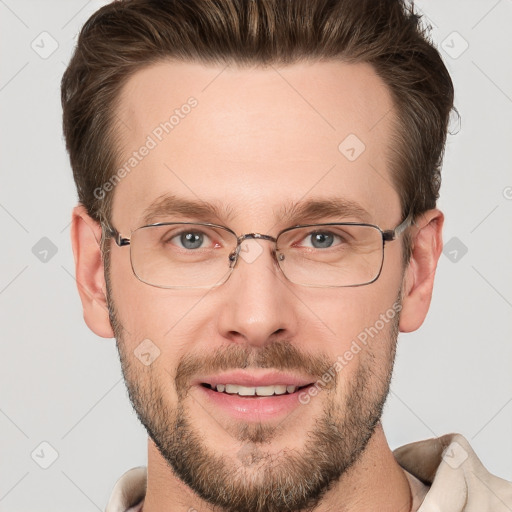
(258, 395)
(222, 403)
(253, 397)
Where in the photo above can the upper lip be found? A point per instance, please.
(244, 378)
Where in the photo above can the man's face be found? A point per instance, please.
(256, 141)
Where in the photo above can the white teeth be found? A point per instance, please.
(252, 391)
(231, 388)
(265, 390)
(280, 390)
(243, 391)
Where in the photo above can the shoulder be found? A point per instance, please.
(457, 478)
(128, 491)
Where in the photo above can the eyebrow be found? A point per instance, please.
(172, 206)
(312, 210)
(316, 209)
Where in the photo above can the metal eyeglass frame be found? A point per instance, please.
(387, 236)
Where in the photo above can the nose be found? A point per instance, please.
(257, 305)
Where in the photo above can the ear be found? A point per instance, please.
(427, 244)
(89, 271)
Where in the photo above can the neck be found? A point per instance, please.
(374, 482)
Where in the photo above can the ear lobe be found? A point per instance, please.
(427, 244)
(89, 271)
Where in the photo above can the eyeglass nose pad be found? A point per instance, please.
(233, 257)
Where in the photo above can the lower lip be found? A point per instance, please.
(253, 408)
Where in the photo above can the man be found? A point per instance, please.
(257, 222)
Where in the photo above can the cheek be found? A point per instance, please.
(358, 326)
(147, 311)
(346, 314)
(364, 364)
(166, 324)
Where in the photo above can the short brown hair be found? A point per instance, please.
(123, 37)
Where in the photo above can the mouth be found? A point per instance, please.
(251, 396)
(255, 391)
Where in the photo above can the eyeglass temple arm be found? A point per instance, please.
(391, 234)
(111, 232)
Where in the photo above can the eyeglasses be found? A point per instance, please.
(203, 255)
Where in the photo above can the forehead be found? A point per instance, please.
(250, 140)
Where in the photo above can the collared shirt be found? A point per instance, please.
(444, 474)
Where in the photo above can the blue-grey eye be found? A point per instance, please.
(191, 239)
(322, 240)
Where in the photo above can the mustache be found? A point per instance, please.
(279, 355)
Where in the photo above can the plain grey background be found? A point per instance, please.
(62, 386)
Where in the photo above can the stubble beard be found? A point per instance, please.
(255, 479)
